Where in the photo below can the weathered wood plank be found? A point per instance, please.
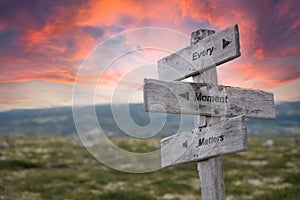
(196, 98)
(207, 53)
(217, 139)
(212, 179)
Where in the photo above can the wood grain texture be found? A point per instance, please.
(205, 54)
(217, 139)
(212, 179)
(198, 98)
(200, 34)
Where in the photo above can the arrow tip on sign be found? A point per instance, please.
(225, 43)
(185, 144)
(185, 95)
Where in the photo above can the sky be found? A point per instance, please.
(105, 48)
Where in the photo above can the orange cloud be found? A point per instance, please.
(22, 69)
(51, 46)
(259, 74)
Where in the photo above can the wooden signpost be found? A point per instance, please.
(209, 101)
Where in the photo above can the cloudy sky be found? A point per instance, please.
(45, 44)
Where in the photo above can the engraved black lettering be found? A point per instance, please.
(195, 56)
(210, 50)
(221, 138)
(216, 139)
(206, 142)
(198, 96)
(210, 98)
(198, 54)
(221, 99)
(216, 99)
(210, 140)
(201, 140)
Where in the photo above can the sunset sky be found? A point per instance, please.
(43, 45)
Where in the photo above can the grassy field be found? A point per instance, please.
(54, 168)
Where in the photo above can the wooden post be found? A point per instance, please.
(210, 171)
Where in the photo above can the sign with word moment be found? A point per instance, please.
(198, 98)
(207, 53)
(220, 138)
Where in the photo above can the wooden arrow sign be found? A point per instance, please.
(221, 138)
(198, 98)
(209, 52)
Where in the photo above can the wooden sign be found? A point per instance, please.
(198, 98)
(217, 139)
(207, 53)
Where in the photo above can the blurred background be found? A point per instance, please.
(44, 45)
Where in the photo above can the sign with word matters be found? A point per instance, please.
(217, 139)
(211, 51)
(199, 98)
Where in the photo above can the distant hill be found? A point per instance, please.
(287, 122)
(59, 121)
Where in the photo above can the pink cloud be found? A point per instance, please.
(51, 46)
(53, 37)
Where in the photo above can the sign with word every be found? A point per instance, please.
(211, 51)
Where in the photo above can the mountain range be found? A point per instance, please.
(59, 121)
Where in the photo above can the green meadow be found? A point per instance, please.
(55, 168)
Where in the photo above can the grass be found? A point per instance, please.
(292, 193)
(18, 164)
(126, 195)
(54, 168)
(164, 186)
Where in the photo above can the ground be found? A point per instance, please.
(55, 168)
